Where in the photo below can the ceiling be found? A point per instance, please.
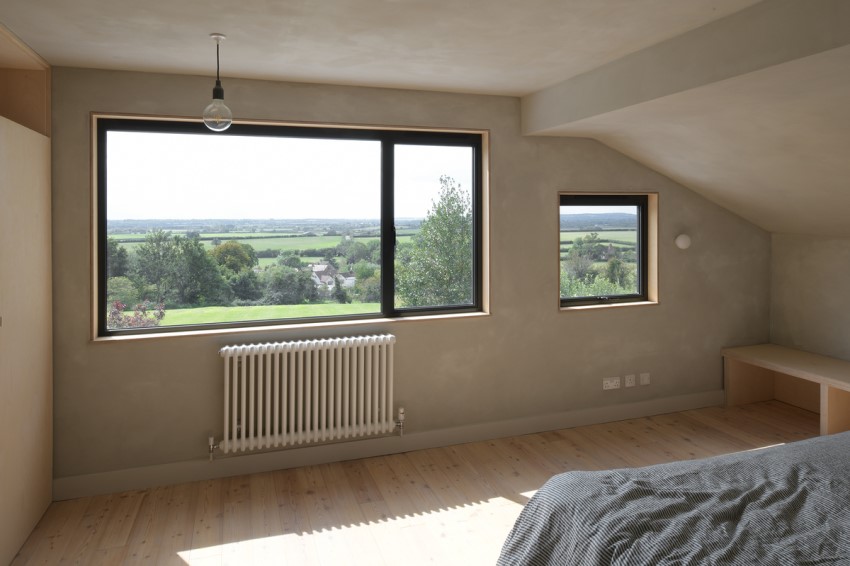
(744, 102)
(481, 46)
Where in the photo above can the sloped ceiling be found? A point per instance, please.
(743, 101)
(773, 145)
(752, 111)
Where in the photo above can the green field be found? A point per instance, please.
(306, 260)
(285, 244)
(615, 236)
(277, 243)
(623, 239)
(212, 315)
(222, 235)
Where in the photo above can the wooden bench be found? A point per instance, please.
(817, 383)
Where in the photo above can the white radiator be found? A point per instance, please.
(288, 393)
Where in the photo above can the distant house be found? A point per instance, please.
(323, 275)
(326, 276)
(323, 268)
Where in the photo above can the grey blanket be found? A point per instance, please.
(787, 505)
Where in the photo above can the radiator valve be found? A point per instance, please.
(400, 422)
(212, 447)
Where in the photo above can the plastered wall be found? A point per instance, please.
(810, 302)
(132, 403)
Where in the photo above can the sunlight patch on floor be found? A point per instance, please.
(478, 529)
(766, 446)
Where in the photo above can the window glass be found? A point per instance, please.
(602, 248)
(434, 226)
(264, 224)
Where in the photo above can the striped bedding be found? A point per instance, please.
(787, 505)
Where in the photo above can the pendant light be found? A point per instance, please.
(217, 115)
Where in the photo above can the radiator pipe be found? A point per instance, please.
(400, 422)
(212, 447)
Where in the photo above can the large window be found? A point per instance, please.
(267, 224)
(603, 249)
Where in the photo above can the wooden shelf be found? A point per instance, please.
(766, 371)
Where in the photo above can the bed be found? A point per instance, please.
(788, 504)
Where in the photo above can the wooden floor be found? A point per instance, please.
(442, 506)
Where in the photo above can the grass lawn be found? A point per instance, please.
(212, 315)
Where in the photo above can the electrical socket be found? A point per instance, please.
(644, 378)
(610, 383)
(630, 380)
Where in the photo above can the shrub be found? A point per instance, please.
(140, 318)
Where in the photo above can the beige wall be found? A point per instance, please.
(26, 402)
(810, 302)
(126, 404)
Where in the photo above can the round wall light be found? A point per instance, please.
(683, 241)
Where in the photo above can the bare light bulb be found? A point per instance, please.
(217, 116)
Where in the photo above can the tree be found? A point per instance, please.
(369, 290)
(340, 295)
(235, 256)
(589, 247)
(617, 272)
(374, 247)
(117, 262)
(195, 275)
(578, 266)
(155, 260)
(287, 286)
(437, 269)
(579, 263)
(364, 270)
(593, 287)
(245, 285)
(330, 259)
(289, 259)
(353, 251)
(121, 289)
(180, 271)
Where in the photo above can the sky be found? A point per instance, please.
(184, 176)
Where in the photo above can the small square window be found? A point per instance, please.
(603, 249)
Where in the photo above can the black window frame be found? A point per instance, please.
(389, 139)
(641, 201)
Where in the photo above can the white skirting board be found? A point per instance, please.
(194, 470)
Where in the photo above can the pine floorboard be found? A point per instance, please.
(451, 505)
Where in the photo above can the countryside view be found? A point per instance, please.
(215, 230)
(192, 272)
(189, 272)
(598, 251)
